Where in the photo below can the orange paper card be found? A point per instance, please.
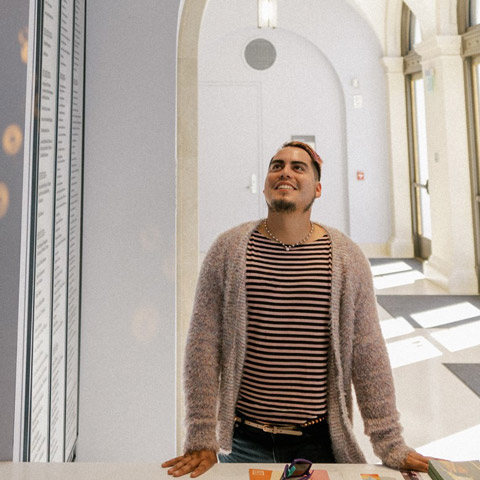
(256, 474)
(370, 476)
(259, 474)
(320, 475)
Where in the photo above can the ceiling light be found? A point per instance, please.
(267, 13)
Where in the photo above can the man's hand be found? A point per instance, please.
(415, 461)
(196, 463)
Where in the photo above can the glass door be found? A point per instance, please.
(422, 225)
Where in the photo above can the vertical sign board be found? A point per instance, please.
(52, 346)
(75, 216)
(60, 257)
(43, 236)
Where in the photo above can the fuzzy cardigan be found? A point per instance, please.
(216, 345)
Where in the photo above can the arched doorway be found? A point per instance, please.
(187, 154)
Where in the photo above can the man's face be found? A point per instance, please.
(290, 184)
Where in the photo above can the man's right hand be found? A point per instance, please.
(196, 463)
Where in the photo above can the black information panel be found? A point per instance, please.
(53, 342)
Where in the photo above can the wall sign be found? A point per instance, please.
(54, 161)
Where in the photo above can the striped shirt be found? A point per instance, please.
(288, 297)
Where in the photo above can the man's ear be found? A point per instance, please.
(318, 190)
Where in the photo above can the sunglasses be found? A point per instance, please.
(299, 469)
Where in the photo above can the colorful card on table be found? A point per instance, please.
(259, 474)
(320, 475)
(370, 476)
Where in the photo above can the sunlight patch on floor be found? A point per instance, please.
(411, 350)
(443, 315)
(389, 268)
(459, 338)
(395, 327)
(397, 279)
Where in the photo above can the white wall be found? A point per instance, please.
(127, 370)
(245, 116)
(309, 91)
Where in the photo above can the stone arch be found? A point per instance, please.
(393, 25)
(447, 18)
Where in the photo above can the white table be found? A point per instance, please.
(150, 471)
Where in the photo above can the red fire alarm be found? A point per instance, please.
(360, 175)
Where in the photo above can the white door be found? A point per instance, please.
(229, 186)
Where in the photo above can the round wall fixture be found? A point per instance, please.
(260, 54)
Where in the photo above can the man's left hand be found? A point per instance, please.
(415, 461)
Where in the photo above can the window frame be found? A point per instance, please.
(471, 56)
(412, 69)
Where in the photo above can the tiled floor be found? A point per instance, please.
(439, 413)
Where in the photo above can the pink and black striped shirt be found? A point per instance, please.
(288, 296)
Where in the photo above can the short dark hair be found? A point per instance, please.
(314, 156)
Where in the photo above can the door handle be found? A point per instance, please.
(422, 185)
(253, 187)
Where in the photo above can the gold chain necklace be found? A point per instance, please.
(287, 247)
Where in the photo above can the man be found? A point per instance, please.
(284, 322)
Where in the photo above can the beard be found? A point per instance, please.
(284, 206)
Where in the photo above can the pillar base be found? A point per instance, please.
(400, 248)
(455, 280)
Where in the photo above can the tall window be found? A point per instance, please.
(469, 28)
(415, 34)
(473, 13)
(417, 135)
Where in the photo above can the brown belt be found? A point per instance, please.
(282, 429)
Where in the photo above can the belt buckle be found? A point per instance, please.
(275, 429)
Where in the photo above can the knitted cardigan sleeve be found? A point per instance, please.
(203, 354)
(371, 372)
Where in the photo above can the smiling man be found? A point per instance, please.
(284, 323)
(279, 188)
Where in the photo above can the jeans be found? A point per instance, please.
(251, 445)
